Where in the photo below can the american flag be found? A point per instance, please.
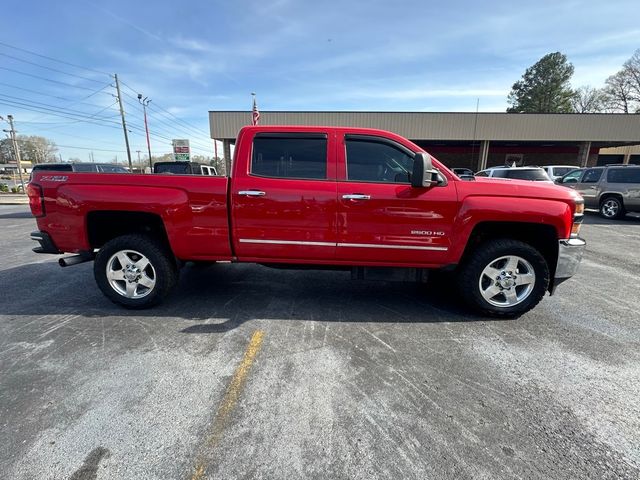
(255, 117)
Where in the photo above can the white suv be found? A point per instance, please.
(535, 174)
(558, 171)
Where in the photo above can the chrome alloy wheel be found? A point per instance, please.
(610, 208)
(131, 274)
(507, 281)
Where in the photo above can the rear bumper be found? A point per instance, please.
(45, 241)
(570, 254)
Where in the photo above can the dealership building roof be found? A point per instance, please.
(471, 139)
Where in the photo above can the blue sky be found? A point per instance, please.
(194, 56)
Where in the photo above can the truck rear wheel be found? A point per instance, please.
(134, 271)
(504, 278)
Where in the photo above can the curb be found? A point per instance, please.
(13, 199)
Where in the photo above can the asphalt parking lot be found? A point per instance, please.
(249, 372)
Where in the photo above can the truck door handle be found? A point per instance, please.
(356, 196)
(252, 193)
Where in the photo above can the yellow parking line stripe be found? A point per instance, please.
(230, 399)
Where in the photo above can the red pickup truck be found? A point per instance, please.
(364, 200)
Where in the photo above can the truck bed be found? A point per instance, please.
(193, 209)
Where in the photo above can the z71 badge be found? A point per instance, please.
(54, 178)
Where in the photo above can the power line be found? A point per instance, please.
(201, 132)
(72, 135)
(173, 128)
(91, 148)
(46, 79)
(66, 99)
(57, 108)
(176, 129)
(53, 59)
(154, 133)
(184, 122)
(51, 69)
(104, 123)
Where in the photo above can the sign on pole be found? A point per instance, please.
(181, 152)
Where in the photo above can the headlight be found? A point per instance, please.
(578, 216)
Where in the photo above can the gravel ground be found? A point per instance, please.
(248, 372)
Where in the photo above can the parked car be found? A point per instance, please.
(209, 170)
(558, 171)
(462, 171)
(380, 206)
(614, 189)
(535, 174)
(79, 167)
(184, 168)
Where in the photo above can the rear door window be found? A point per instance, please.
(290, 155)
(623, 175)
(112, 169)
(84, 167)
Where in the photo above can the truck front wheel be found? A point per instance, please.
(504, 278)
(134, 271)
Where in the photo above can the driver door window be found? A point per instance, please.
(377, 161)
(592, 175)
(572, 177)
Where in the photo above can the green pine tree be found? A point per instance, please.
(544, 87)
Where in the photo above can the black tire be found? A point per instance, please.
(471, 278)
(612, 208)
(161, 270)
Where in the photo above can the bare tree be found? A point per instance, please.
(36, 149)
(6, 151)
(588, 100)
(619, 97)
(631, 68)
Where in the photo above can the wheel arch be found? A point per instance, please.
(105, 225)
(542, 237)
(605, 195)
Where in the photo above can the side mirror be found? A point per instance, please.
(423, 173)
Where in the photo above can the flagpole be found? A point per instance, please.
(255, 114)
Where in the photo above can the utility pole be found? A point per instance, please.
(12, 132)
(138, 157)
(124, 122)
(145, 102)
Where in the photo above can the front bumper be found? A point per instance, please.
(570, 254)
